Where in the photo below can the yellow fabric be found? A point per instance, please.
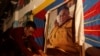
(61, 37)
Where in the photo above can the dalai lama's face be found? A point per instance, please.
(63, 16)
(29, 31)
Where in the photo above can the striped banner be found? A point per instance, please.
(92, 22)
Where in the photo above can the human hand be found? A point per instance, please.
(36, 55)
(40, 55)
(43, 54)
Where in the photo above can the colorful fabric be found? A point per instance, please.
(39, 19)
(92, 22)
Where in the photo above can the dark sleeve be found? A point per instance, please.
(18, 38)
(34, 44)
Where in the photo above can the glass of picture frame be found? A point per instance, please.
(50, 33)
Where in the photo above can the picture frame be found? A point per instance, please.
(51, 16)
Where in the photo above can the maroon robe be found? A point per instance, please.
(17, 35)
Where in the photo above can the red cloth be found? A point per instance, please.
(17, 35)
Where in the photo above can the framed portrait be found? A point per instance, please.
(60, 28)
(27, 17)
